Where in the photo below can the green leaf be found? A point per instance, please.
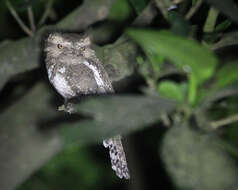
(227, 75)
(114, 115)
(231, 141)
(156, 62)
(227, 7)
(211, 20)
(172, 90)
(223, 26)
(138, 5)
(194, 160)
(120, 11)
(193, 2)
(185, 53)
(192, 89)
(209, 96)
(179, 25)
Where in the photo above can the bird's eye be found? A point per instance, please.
(82, 48)
(59, 46)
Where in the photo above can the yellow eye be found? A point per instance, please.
(82, 48)
(59, 46)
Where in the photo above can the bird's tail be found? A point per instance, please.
(118, 157)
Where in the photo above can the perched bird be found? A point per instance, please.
(74, 69)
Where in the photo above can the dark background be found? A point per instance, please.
(189, 157)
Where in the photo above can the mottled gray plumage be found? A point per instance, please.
(74, 69)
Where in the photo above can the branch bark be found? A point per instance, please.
(223, 122)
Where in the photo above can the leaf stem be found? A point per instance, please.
(46, 12)
(193, 9)
(31, 18)
(229, 120)
(192, 89)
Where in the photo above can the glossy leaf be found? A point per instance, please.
(114, 115)
(227, 7)
(138, 5)
(179, 25)
(211, 20)
(196, 161)
(185, 53)
(172, 90)
(227, 75)
(120, 11)
(223, 26)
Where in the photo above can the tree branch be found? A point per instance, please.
(25, 54)
(223, 122)
(18, 19)
(31, 19)
(46, 12)
(193, 9)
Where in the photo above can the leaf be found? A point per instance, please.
(138, 5)
(179, 25)
(114, 115)
(223, 26)
(229, 39)
(186, 54)
(13, 53)
(172, 90)
(227, 7)
(227, 75)
(30, 146)
(231, 134)
(196, 161)
(209, 96)
(120, 11)
(156, 62)
(194, 2)
(211, 20)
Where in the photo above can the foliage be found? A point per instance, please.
(73, 162)
(198, 61)
(177, 70)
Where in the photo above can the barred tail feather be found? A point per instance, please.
(118, 157)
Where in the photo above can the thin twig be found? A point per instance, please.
(18, 19)
(147, 15)
(216, 95)
(193, 9)
(210, 23)
(226, 121)
(46, 12)
(31, 18)
(163, 6)
(177, 1)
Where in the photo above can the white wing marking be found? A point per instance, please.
(96, 74)
(62, 85)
